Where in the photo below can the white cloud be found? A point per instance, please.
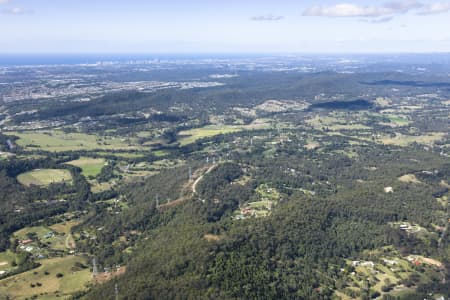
(349, 10)
(345, 10)
(4, 1)
(435, 8)
(267, 18)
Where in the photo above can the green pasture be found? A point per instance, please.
(56, 278)
(45, 177)
(89, 166)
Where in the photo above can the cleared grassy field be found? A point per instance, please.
(334, 124)
(260, 204)
(5, 155)
(97, 187)
(405, 140)
(190, 136)
(159, 153)
(64, 227)
(44, 280)
(409, 178)
(39, 230)
(121, 154)
(383, 102)
(6, 258)
(45, 177)
(399, 120)
(57, 140)
(267, 193)
(89, 166)
(311, 145)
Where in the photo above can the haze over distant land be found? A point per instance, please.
(263, 26)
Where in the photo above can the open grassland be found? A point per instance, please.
(405, 140)
(89, 166)
(402, 109)
(267, 198)
(46, 280)
(45, 177)
(116, 203)
(64, 227)
(383, 102)
(395, 120)
(121, 154)
(6, 259)
(398, 120)
(97, 187)
(192, 135)
(409, 178)
(335, 123)
(311, 145)
(57, 140)
(267, 193)
(5, 155)
(159, 153)
(40, 231)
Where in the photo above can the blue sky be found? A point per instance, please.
(231, 26)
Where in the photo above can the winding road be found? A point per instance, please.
(194, 185)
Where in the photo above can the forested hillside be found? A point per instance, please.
(212, 181)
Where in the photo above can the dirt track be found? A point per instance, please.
(192, 186)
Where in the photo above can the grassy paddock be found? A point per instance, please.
(192, 135)
(405, 140)
(6, 259)
(45, 279)
(57, 140)
(44, 177)
(65, 227)
(335, 123)
(89, 166)
(398, 119)
(121, 154)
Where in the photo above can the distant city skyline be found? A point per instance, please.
(202, 26)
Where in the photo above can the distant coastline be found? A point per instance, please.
(49, 59)
(8, 60)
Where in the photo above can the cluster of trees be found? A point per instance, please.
(18, 205)
(222, 196)
(298, 251)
